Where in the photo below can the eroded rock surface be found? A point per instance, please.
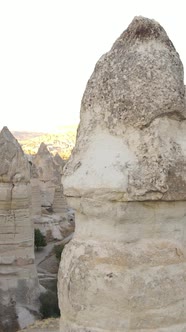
(35, 192)
(59, 203)
(53, 218)
(125, 269)
(19, 288)
(48, 177)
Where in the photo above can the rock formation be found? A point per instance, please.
(19, 288)
(60, 203)
(49, 171)
(59, 160)
(36, 193)
(125, 269)
(55, 220)
(45, 166)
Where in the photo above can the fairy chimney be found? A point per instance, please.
(124, 270)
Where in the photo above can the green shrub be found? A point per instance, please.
(49, 305)
(39, 239)
(58, 250)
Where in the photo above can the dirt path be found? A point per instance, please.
(46, 325)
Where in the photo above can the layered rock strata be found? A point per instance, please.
(60, 203)
(36, 193)
(19, 288)
(125, 269)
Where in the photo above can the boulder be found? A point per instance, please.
(125, 269)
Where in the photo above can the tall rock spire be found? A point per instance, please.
(125, 268)
(19, 287)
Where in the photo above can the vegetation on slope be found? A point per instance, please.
(61, 143)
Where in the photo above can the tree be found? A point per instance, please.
(39, 239)
(49, 304)
(58, 250)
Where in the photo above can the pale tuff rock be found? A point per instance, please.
(52, 217)
(36, 193)
(125, 269)
(36, 197)
(14, 166)
(134, 97)
(60, 161)
(19, 288)
(60, 203)
(48, 175)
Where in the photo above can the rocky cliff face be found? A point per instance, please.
(125, 269)
(19, 289)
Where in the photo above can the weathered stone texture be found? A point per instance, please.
(49, 171)
(125, 269)
(59, 203)
(50, 211)
(44, 164)
(125, 113)
(19, 289)
(35, 191)
(36, 198)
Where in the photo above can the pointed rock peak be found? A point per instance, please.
(14, 166)
(43, 149)
(139, 79)
(143, 29)
(7, 135)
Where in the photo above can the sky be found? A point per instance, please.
(48, 50)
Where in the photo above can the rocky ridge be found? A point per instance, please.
(61, 142)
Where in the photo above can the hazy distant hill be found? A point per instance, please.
(61, 142)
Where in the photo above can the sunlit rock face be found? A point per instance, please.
(19, 289)
(125, 269)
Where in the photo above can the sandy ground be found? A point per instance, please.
(46, 325)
